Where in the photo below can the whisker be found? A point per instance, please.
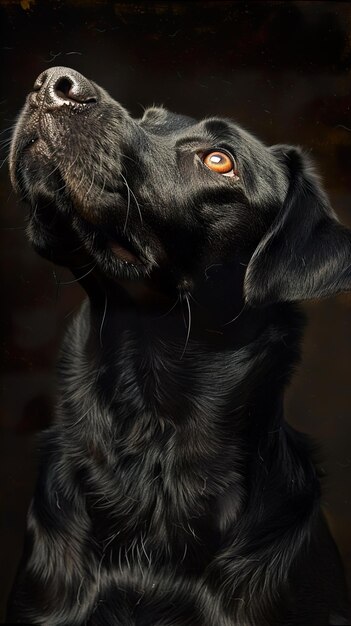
(104, 178)
(237, 316)
(128, 203)
(103, 320)
(91, 185)
(169, 310)
(134, 196)
(209, 267)
(8, 129)
(189, 325)
(194, 300)
(4, 161)
(5, 142)
(76, 280)
(138, 205)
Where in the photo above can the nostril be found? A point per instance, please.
(68, 88)
(63, 88)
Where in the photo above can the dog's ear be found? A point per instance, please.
(306, 252)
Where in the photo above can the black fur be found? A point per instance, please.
(171, 491)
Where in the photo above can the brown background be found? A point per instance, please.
(281, 69)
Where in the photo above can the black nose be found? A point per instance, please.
(60, 86)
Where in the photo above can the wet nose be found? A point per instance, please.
(60, 86)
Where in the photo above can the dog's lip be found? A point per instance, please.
(124, 253)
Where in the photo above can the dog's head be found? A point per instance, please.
(170, 200)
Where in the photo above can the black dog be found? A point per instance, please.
(171, 492)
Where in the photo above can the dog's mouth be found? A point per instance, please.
(124, 253)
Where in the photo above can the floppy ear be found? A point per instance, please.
(306, 252)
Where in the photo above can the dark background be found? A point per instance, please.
(282, 70)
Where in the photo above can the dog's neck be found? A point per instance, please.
(213, 385)
(191, 353)
(187, 372)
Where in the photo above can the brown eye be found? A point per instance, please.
(219, 162)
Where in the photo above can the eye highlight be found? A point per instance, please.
(220, 162)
